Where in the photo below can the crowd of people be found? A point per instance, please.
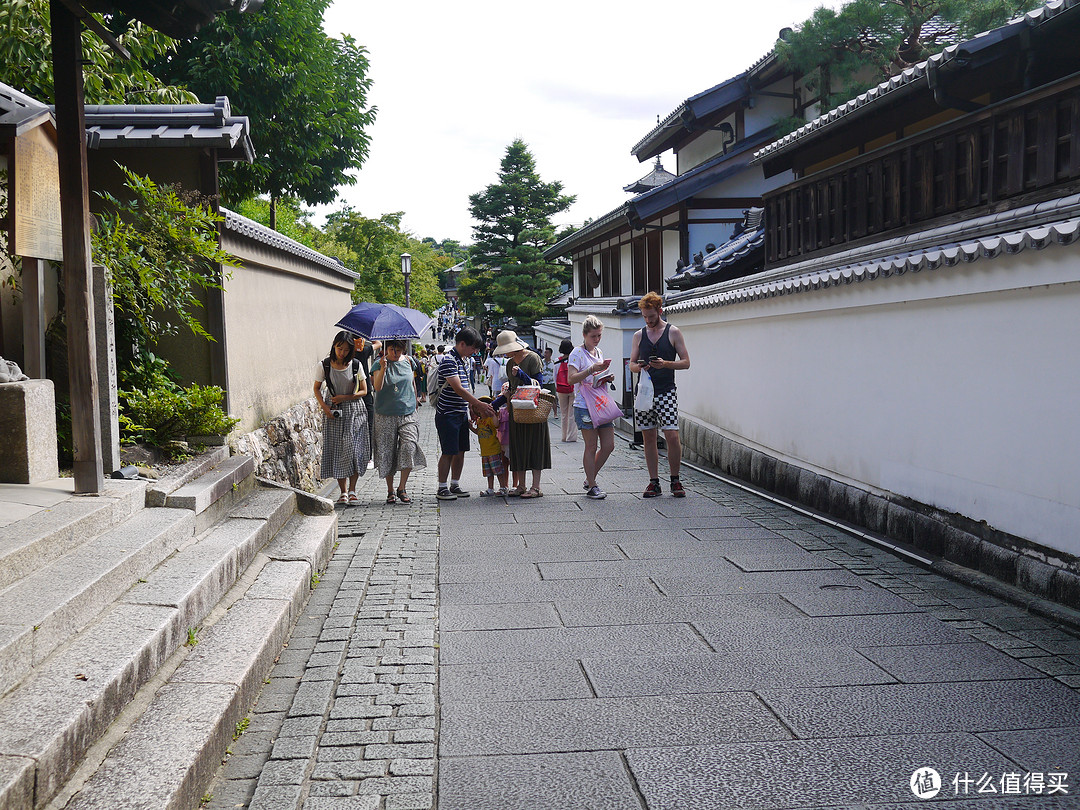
(370, 393)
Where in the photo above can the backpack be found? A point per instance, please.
(562, 378)
(326, 373)
(434, 386)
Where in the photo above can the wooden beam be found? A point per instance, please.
(78, 275)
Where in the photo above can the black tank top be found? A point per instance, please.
(663, 379)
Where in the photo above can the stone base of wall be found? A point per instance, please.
(951, 537)
(287, 449)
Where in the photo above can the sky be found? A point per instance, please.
(579, 81)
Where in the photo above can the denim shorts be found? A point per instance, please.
(582, 418)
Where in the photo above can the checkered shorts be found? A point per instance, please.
(664, 413)
(493, 465)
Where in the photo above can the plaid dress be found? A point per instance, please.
(346, 448)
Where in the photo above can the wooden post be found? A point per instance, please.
(78, 277)
(33, 313)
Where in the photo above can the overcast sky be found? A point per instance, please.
(580, 81)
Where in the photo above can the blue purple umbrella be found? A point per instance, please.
(384, 321)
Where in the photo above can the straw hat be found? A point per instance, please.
(508, 343)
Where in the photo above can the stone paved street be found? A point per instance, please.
(719, 651)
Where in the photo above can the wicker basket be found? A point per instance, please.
(540, 413)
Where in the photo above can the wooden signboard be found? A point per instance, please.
(35, 215)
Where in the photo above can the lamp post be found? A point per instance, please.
(406, 270)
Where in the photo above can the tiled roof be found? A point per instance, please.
(170, 125)
(260, 233)
(986, 237)
(657, 177)
(750, 241)
(918, 73)
(19, 112)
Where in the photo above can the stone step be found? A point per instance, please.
(169, 756)
(216, 491)
(64, 705)
(48, 606)
(187, 472)
(27, 544)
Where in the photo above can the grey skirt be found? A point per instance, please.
(397, 444)
(346, 449)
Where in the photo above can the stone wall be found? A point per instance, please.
(287, 449)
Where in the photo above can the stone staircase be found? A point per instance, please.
(136, 629)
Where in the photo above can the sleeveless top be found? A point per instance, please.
(663, 379)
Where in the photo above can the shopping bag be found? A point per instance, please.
(526, 397)
(643, 399)
(602, 408)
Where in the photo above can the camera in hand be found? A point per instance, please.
(335, 413)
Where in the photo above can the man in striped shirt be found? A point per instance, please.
(452, 410)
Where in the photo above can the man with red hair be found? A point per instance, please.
(659, 351)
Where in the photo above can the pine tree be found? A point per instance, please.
(506, 264)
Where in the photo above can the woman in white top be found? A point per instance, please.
(587, 366)
(346, 447)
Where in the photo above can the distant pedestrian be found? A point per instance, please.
(587, 367)
(453, 408)
(547, 377)
(346, 447)
(397, 433)
(495, 375)
(658, 349)
(530, 444)
(564, 390)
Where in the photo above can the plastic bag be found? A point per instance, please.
(643, 399)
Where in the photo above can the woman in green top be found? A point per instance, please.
(397, 433)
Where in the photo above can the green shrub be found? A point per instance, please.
(164, 415)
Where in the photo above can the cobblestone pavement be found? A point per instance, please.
(718, 651)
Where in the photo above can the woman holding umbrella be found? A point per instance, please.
(397, 433)
(346, 449)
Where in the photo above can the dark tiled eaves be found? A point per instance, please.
(260, 233)
(19, 112)
(917, 75)
(586, 234)
(732, 252)
(170, 125)
(1033, 227)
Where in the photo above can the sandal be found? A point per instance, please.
(403, 497)
(352, 496)
(516, 492)
(343, 498)
(532, 492)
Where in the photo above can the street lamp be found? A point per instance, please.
(406, 270)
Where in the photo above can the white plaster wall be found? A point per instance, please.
(279, 325)
(702, 148)
(767, 109)
(956, 387)
(626, 268)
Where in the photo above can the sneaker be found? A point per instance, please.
(487, 493)
(677, 490)
(596, 493)
(458, 491)
(653, 490)
(444, 494)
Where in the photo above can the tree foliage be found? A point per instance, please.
(26, 58)
(845, 52)
(376, 246)
(305, 93)
(160, 247)
(506, 265)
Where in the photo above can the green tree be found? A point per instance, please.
(26, 58)
(377, 245)
(846, 52)
(160, 247)
(305, 92)
(514, 217)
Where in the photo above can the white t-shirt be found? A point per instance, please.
(496, 372)
(344, 381)
(579, 360)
